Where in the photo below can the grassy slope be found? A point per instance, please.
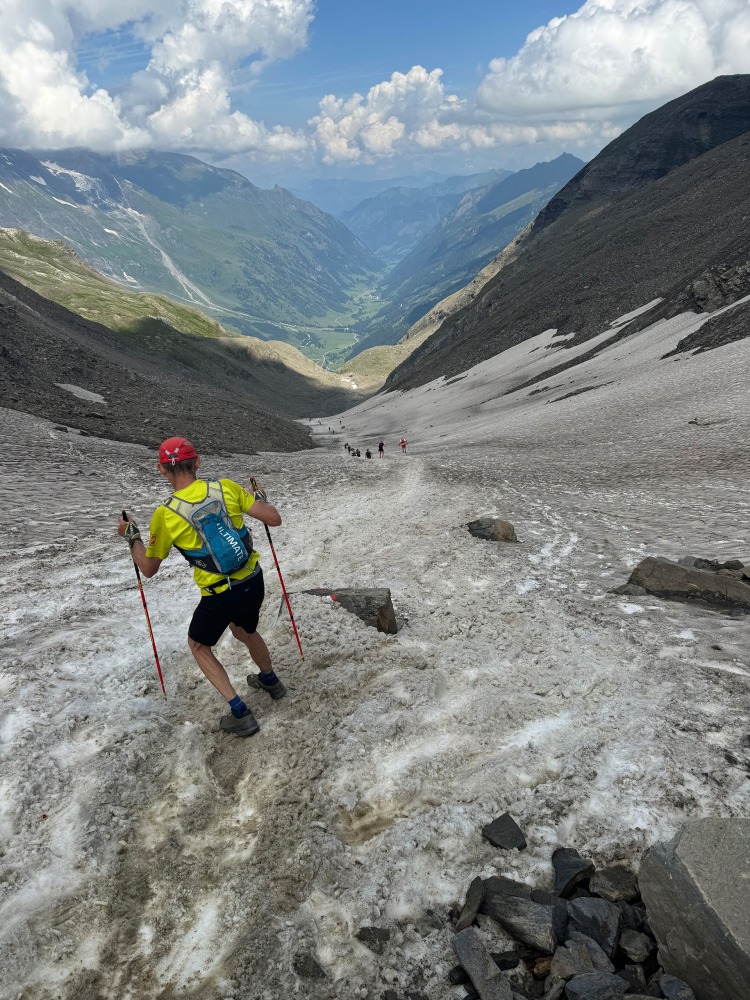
(54, 271)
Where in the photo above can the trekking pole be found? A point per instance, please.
(148, 619)
(254, 484)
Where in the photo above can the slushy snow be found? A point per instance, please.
(146, 854)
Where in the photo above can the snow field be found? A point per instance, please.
(146, 854)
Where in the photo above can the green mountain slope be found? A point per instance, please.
(461, 245)
(275, 375)
(393, 222)
(262, 262)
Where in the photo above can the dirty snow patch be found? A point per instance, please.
(38, 180)
(76, 390)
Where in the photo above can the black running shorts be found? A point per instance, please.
(238, 606)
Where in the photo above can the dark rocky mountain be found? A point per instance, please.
(484, 221)
(675, 226)
(394, 221)
(168, 382)
(262, 262)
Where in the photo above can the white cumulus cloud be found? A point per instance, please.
(180, 99)
(612, 55)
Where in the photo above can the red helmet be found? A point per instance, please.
(175, 450)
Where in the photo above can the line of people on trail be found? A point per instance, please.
(355, 452)
(204, 521)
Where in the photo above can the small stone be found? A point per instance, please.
(570, 870)
(505, 833)
(733, 564)
(307, 968)
(390, 995)
(492, 529)
(596, 986)
(615, 884)
(506, 960)
(597, 919)
(675, 989)
(598, 959)
(541, 968)
(471, 906)
(374, 938)
(635, 977)
(59, 427)
(629, 590)
(636, 946)
(554, 991)
(458, 976)
(476, 960)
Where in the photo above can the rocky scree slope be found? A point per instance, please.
(485, 221)
(146, 397)
(683, 238)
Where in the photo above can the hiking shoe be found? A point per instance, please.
(276, 690)
(245, 726)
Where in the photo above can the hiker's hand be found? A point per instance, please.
(260, 493)
(129, 531)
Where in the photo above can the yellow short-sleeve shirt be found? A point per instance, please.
(168, 529)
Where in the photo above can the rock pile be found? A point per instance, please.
(589, 939)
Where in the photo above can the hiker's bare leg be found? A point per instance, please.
(255, 646)
(212, 669)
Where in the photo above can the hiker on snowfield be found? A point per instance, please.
(368, 453)
(381, 449)
(403, 446)
(225, 565)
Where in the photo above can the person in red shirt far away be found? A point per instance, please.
(403, 446)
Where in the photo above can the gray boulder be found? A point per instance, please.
(372, 605)
(510, 904)
(674, 988)
(488, 980)
(615, 883)
(696, 891)
(492, 529)
(505, 833)
(636, 946)
(597, 919)
(664, 578)
(471, 906)
(596, 986)
(570, 870)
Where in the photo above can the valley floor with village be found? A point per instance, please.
(148, 855)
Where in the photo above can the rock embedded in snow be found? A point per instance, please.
(505, 833)
(471, 906)
(615, 884)
(307, 968)
(664, 578)
(492, 529)
(374, 938)
(374, 606)
(488, 980)
(597, 919)
(695, 888)
(596, 986)
(570, 870)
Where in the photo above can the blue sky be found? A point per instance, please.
(283, 89)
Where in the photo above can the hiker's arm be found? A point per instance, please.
(263, 511)
(148, 565)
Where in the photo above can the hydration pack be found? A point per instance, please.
(225, 548)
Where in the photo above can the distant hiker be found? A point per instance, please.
(358, 453)
(347, 446)
(368, 453)
(198, 519)
(381, 449)
(403, 446)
